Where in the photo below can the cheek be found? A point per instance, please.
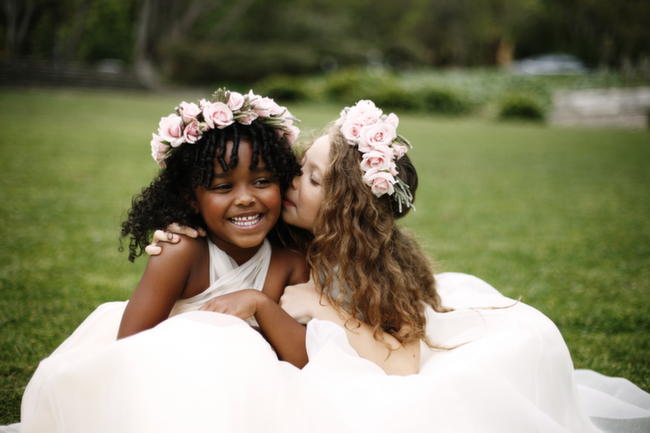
(273, 199)
(213, 205)
(313, 202)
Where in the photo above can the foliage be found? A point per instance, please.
(283, 88)
(203, 63)
(443, 91)
(520, 107)
(325, 34)
(444, 101)
(350, 85)
(391, 96)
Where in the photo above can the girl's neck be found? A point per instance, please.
(238, 254)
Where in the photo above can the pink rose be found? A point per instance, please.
(158, 148)
(392, 119)
(378, 134)
(192, 132)
(380, 159)
(247, 117)
(217, 115)
(235, 101)
(342, 116)
(351, 131)
(365, 113)
(264, 106)
(380, 182)
(292, 134)
(188, 111)
(170, 129)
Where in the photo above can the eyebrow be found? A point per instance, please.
(311, 164)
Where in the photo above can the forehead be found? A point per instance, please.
(244, 155)
(319, 153)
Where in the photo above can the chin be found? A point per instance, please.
(250, 244)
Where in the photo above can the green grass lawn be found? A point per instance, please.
(558, 217)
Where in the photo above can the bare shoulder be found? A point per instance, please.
(292, 262)
(186, 250)
(286, 255)
(287, 267)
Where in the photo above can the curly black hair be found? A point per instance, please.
(166, 200)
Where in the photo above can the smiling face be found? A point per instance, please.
(305, 195)
(241, 205)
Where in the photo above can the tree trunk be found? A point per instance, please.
(142, 63)
(18, 16)
(504, 52)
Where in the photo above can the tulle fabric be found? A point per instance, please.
(506, 369)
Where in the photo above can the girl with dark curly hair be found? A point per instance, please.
(228, 183)
(225, 164)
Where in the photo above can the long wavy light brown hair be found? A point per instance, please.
(362, 262)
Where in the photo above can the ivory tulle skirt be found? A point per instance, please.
(507, 370)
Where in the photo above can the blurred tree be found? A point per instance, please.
(201, 41)
(18, 15)
(603, 33)
(464, 32)
(111, 36)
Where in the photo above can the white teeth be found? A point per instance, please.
(246, 221)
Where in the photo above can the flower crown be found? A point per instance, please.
(190, 120)
(364, 125)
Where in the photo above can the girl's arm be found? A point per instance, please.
(285, 334)
(162, 283)
(280, 329)
(303, 301)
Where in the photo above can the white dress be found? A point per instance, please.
(507, 370)
(41, 406)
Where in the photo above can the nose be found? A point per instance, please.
(245, 198)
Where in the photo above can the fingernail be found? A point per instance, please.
(170, 236)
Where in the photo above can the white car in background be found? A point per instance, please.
(550, 64)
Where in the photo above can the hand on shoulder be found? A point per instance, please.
(171, 235)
